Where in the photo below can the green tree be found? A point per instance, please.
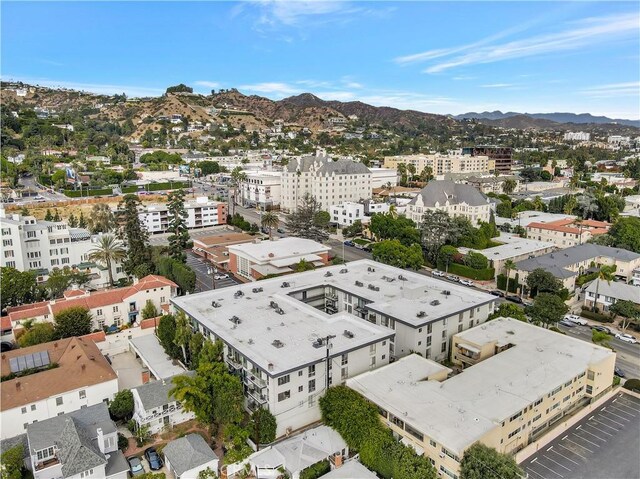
(547, 309)
(122, 405)
(628, 312)
(509, 185)
(107, 251)
(61, 279)
(235, 440)
(540, 280)
(303, 265)
(166, 333)
(179, 273)
(196, 345)
(82, 222)
(389, 226)
(476, 260)
(509, 265)
(483, 462)
(59, 178)
(270, 221)
(437, 229)
(600, 338)
(212, 352)
(179, 239)
(183, 334)
(72, 220)
(56, 216)
(74, 321)
(353, 230)
(394, 253)
(48, 216)
(508, 310)
(605, 273)
(262, 427)
(209, 167)
(12, 462)
(626, 234)
(37, 333)
(149, 311)
(134, 234)
(18, 287)
(102, 219)
(447, 253)
(308, 221)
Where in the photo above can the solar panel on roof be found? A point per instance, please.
(29, 361)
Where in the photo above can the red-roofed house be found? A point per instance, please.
(120, 306)
(567, 232)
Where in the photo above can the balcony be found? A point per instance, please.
(52, 461)
(157, 415)
(468, 355)
(252, 378)
(234, 363)
(257, 397)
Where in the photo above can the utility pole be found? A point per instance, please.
(213, 272)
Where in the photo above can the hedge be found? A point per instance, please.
(82, 193)
(601, 318)
(166, 186)
(514, 284)
(632, 385)
(462, 270)
(316, 470)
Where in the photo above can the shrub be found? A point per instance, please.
(632, 385)
(79, 193)
(316, 470)
(467, 272)
(123, 442)
(501, 281)
(601, 318)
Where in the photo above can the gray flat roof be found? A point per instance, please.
(350, 470)
(153, 356)
(460, 410)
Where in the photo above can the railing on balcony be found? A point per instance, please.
(165, 412)
(234, 363)
(468, 356)
(252, 378)
(256, 396)
(52, 461)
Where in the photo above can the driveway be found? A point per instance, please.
(129, 370)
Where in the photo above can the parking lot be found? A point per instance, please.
(204, 282)
(603, 445)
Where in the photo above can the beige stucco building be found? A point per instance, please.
(442, 164)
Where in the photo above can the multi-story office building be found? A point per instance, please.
(442, 164)
(455, 198)
(261, 189)
(32, 245)
(330, 182)
(66, 375)
(501, 155)
(200, 214)
(517, 381)
(275, 331)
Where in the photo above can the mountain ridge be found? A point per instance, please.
(557, 117)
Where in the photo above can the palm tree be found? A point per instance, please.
(270, 220)
(509, 185)
(108, 250)
(604, 274)
(508, 266)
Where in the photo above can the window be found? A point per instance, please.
(344, 373)
(24, 410)
(429, 328)
(591, 375)
(162, 299)
(283, 380)
(566, 398)
(589, 389)
(417, 434)
(59, 401)
(432, 443)
(312, 370)
(443, 348)
(33, 407)
(115, 309)
(428, 340)
(82, 394)
(312, 385)
(372, 349)
(460, 328)
(284, 395)
(45, 453)
(300, 388)
(515, 416)
(373, 361)
(537, 417)
(345, 359)
(537, 402)
(513, 433)
(99, 312)
(444, 334)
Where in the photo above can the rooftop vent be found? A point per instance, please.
(235, 320)
(371, 270)
(402, 278)
(348, 334)
(274, 305)
(446, 292)
(373, 287)
(277, 343)
(327, 274)
(238, 294)
(285, 284)
(421, 314)
(318, 343)
(279, 310)
(344, 270)
(435, 302)
(257, 290)
(215, 304)
(359, 283)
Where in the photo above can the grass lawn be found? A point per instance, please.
(361, 241)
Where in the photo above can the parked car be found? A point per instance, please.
(497, 292)
(602, 329)
(435, 272)
(155, 461)
(576, 319)
(135, 466)
(627, 338)
(349, 243)
(368, 249)
(221, 276)
(618, 372)
(566, 323)
(453, 277)
(466, 282)
(6, 346)
(515, 299)
(280, 230)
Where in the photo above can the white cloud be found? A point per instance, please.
(207, 84)
(336, 95)
(579, 34)
(100, 88)
(613, 90)
(274, 88)
(293, 13)
(498, 85)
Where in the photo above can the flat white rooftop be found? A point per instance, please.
(275, 250)
(460, 410)
(513, 247)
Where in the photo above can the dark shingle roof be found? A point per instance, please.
(188, 452)
(326, 166)
(455, 193)
(156, 393)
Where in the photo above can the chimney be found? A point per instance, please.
(146, 376)
(100, 439)
(337, 460)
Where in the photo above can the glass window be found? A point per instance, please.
(283, 380)
(284, 395)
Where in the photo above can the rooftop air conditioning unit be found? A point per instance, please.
(235, 320)
(279, 310)
(421, 314)
(285, 284)
(257, 290)
(344, 270)
(359, 283)
(327, 274)
(215, 304)
(402, 278)
(446, 292)
(238, 294)
(348, 334)
(371, 270)
(435, 302)
(274, 305)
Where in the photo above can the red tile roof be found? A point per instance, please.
(569, 225)
(5, 323)
(74, 292)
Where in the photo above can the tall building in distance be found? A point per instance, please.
(443, 164)
(577, 136)
(502, 155)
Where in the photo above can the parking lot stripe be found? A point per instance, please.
(536, 473)
(540, 464)
(606, 425)
(602, 416)
(580, 445)
(571, 451)
(626, 405)
(599, 430)
(565, 457)
(556, 462)
(587, 440)
(623, 412)
(618, 416)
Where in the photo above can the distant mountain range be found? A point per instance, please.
(554, 117)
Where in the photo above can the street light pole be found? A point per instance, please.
(213, 272)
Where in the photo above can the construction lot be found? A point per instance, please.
(603, 445)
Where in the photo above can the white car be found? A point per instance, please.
(221, 276)
(576, 319)
(627, 338)
(435, 272)
(466, 282)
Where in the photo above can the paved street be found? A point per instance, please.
(628, 355)
(604, 444)
(204, 282)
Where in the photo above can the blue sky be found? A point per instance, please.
(440, 57)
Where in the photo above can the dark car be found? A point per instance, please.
(135, 466)
(280, 230)
(349, 243)
(6, 346)
(515, 299)
(497, 292)
(618, 372)
(155, 461)
(567, 324)
(602, 329)
(368, 249)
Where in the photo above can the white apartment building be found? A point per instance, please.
(154, 407)
(275, 331)
(261, 188)
(113, 307)
(454, 198)
(381, 177)
(347, 213)
(77, 445)
(32, 245)
(200, 214)
(82, 378)
(330, 182)
(577, 136)
(371, 207)
(518, 380)
(442, 164)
